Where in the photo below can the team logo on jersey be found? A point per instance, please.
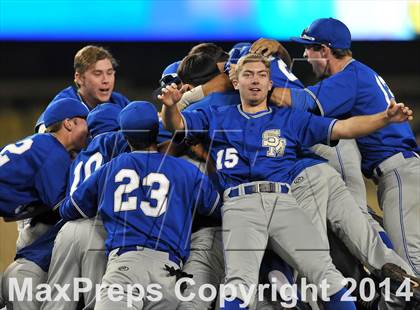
(276, 145)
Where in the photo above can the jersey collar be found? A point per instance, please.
(256, 115)
(349, 62)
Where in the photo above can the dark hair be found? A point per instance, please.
(197, 69)
(212, 50)
(338, 53)
(143, 140)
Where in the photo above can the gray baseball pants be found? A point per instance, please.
(140, 268)
(79, 251)
(398, 181)
(16, 274)
(322, 194)
(251, 222)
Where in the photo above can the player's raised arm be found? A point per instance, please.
(358, 126)
(171, 117)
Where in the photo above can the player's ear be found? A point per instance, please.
(67, 124)
(324, 51)
(77, 79)
(235, 83)
(270, 85)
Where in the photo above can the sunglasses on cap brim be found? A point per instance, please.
(169, 79)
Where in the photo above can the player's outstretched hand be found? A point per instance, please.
(398, 112)
(266, 47)
(170, 95)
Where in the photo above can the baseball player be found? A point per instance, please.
(390, 155)
(34, 169)
(206, 261)
(146, 203)
(282, 77)
(345, 156)
(33, 175)
(251, 145)
(79, 249)
(94, 79)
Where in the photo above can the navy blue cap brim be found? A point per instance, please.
(303, 41)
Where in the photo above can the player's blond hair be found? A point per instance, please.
(89, 55)
(54, 127)
(251, 58)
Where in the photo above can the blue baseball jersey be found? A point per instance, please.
(33, 171)
(145, 199)
(254, 147)
(280, 74)
(100, 150)
(306, 159)
(71, 92)
(163, 135)
(358, 90)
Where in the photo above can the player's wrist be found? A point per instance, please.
(386, 117)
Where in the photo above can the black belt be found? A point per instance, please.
(172, 257)
(269, 187)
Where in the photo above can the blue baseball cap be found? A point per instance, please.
(170, 75)
(329, 31)
(172, 68)
(240, 45)
(61, 109)
(139, 119)
(103, 118)
(237, 51)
